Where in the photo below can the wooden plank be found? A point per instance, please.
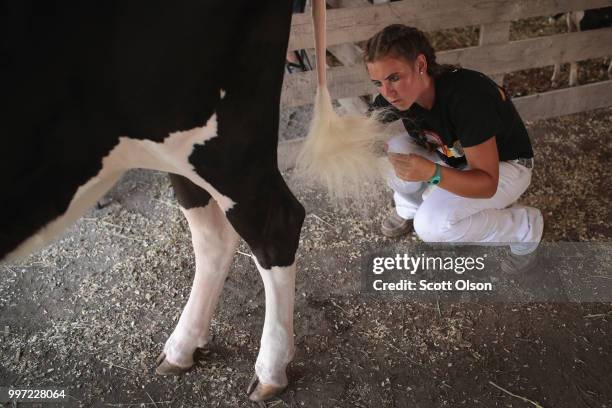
(495, 33)
(336, 4)
(357, 24)
(565, 101)
(533, 52)
(349, 55)
(344, 82)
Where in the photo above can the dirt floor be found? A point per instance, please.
(91, 312)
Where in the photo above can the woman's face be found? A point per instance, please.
(397, 80)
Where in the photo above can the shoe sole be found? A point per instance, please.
(396, 232)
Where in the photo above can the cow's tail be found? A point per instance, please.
(343, 154)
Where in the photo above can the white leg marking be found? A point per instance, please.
(573, 75)
(555, 74)
(573, 25)
(214, 243)
(277, 348)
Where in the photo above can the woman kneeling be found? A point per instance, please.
(466, 156)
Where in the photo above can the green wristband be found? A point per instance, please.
(437, 177)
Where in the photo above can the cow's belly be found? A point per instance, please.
(171, 155)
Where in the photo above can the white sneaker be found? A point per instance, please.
(536, 224)
(513, 264)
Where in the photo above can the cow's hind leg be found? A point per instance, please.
(214, 243)
(573, 25)
(555, 75)
(270, 223)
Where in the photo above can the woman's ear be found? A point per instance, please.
(421, 64)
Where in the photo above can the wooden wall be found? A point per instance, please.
(352, 21)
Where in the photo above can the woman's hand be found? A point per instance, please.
(412, 167)
(480, 181)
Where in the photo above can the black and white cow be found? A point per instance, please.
(583, 21)
(190, 87)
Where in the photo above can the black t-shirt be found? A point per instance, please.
(469, 108)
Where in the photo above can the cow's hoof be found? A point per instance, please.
(166, 368)
(261, 392)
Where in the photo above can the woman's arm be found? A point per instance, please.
(478, 182)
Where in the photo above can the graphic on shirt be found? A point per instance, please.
(434, 142)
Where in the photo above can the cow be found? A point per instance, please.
(582, 21)
(191, 88)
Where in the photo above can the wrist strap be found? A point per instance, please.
(437, 177)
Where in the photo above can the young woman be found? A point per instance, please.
(466, 157)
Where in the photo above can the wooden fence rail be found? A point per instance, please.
(351, 25)
(299, 88)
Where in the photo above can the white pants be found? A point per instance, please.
(443, 216)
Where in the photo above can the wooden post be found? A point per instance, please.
(350, 55)
(495, 33)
